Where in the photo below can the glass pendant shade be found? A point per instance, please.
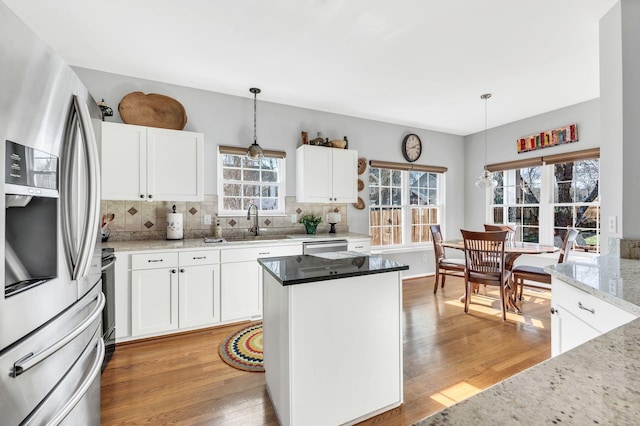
(254, 152)
(486, 180)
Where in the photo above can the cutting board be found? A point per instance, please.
(152, 110)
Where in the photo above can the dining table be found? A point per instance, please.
(512, 251)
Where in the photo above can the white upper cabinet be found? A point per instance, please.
(326, 175)
(148, 163)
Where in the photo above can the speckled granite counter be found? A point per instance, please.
(199, 242)
(595, 383)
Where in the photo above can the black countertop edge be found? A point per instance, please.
(330, 268)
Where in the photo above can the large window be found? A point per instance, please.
(242, 181)
(403, 204)
(546, 200)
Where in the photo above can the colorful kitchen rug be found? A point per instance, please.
(242, 349)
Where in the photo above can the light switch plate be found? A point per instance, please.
(613, 228)
(294, 218)
(207, 219)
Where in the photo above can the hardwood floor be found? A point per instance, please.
(448, 356)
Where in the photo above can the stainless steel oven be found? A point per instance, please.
(109, 311)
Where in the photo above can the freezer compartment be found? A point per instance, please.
(38, 366)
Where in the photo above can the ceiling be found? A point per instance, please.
(418, 63)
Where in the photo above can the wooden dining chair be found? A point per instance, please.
(484, 264)
(511, 230)
(444, 266)
(536, 273)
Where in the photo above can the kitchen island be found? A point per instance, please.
(332, 336)
(594, 383)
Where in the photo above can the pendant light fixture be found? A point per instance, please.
(486, 180)
(254, 152)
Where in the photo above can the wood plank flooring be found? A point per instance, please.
(448, 356)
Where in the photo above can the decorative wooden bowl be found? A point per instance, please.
(362, 165)
(152, 110)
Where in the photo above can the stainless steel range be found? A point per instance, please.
(51, 346)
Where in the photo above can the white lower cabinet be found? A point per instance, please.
(172, 291)
(241, 279)
(361, 245)
(578, 317)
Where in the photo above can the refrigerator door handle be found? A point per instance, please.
(79, 257)
(83, 389)
(30, 360)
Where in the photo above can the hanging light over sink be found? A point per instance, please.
(254, 152)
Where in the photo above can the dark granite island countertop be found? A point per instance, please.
(290, 270)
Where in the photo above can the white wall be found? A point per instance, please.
(501, 143)
(228, 120)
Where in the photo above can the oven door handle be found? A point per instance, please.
(31, 359)
(84, 388)
(108, 264)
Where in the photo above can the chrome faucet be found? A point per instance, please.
(255, 229)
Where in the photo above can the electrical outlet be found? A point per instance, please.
(613, 228)
(207, 219)
(294, 218)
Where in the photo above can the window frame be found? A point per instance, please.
(280, 182)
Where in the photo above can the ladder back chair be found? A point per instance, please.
(444, 266)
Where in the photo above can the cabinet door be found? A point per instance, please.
(154, 301)
(344, 175)
(241, 290)
(313, 174)
(568, 331)
(124, 162)
(175, 162)
(199, 295)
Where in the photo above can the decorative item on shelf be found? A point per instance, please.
(319, 140)
(359, 204)
(566, 134)
(360, 185)
(304, 136)
(338, 143)
(152, 110)
(254, 152)
(362, 165)
(332, 219)
(486, 180)
(105, 109)
(346, 145)
(310, 222)
(105, 233)
(174, 225)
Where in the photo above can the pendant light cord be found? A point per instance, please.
(255, 94)
(486, 96)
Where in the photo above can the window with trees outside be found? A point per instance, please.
(242, 181)
(546, 200)
(403, 203)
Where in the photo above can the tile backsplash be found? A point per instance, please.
(142, 220)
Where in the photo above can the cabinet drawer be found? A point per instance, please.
(253, 253)
(596, 312)
(361, 246)
(199, 257)
(154, 260)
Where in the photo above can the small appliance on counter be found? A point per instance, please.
(174, 225)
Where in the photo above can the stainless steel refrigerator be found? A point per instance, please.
(51, 346)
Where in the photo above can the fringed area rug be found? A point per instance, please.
(242, 349)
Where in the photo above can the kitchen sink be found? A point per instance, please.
(256, 238)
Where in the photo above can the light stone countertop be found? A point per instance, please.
(595, 383)
(198, 243)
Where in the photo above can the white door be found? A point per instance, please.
(154, 301)
(568, 331)
(175, 161)
(345, 175)
(241, 290)
(198, 295)
(124, 162)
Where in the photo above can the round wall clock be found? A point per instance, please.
(411, 147)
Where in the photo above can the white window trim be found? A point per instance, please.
(282, 173)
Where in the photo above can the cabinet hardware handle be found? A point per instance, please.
(141, 195)
(181, 270)
(554, 310)
(199, 257)
(173, 271)
(581, 306)
(154, 260)
(266, 252)
(150, 196)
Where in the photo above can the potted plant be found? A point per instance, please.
(310, 222)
